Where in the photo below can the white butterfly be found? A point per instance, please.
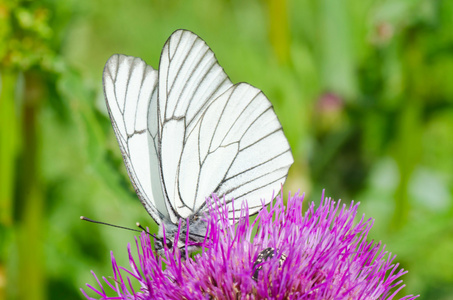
(186, 131)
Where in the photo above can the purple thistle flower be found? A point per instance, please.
(319, 255)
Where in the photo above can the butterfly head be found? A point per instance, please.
(197, 231)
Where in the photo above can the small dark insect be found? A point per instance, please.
(264, 255)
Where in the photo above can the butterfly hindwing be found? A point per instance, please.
(243, 151)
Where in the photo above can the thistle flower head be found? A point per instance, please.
(323, 254)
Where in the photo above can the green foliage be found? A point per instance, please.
(362, 88)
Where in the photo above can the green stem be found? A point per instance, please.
(408, 147)
(9, 151)
(31, 200)
(407, 156)
(279, 29)
(9, 146)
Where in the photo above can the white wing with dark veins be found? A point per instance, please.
(190, 78)
(130, 88)
(215, 137)
(243, 153)
(186, 131)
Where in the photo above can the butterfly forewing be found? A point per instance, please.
(189, 79)
(130, 87)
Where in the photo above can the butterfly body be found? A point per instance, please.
(186, 131)
(197, 232)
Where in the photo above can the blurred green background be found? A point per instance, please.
(363, 88)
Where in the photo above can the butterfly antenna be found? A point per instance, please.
(169, 242)
(108, 224)
(121, 227)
